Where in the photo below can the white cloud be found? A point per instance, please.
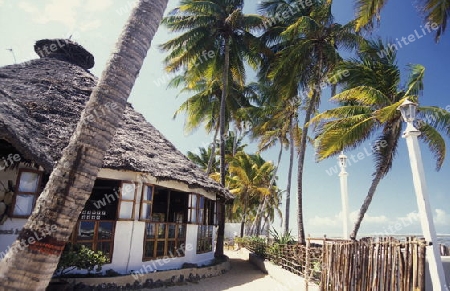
(90, 25)
(336, 220)
(441, 217)
(97, 5)
(410, 218)
(368, 218)
(72, 14)
(380, 225)
(324, 221)
(58, 11)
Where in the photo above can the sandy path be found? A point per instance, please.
(242, 276)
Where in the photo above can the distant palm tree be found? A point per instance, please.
(203, 107)
(369, 101)
(250, 181)
(202, 159)
(219, 27)
(436, 12)
(72, 179)
(306, 44)
(274, 120)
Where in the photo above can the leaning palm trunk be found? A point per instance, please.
(70, 184)
(395, 130)
(226, 68)
(291, 165)
(367, 201)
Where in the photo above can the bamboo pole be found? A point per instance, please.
(308, 243)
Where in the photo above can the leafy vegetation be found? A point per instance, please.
(79, 257)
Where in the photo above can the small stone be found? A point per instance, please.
(148, 283)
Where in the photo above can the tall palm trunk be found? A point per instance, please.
(301, 161)
(226, 68)
(71, 182)
(302, 150)
(291, 165)
(244, 215)
(212, 157)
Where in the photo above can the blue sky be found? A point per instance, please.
(96, 24)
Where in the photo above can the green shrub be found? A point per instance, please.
(241, 241)
(285, 239)
(80, 257)
(257, 245)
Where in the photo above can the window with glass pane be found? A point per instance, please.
(27, 190)
(95, 235)
(146, 203)
(127, 201)
(204, 238)
(192, 208)
(164, 239)
(201, 210)
(24, 205)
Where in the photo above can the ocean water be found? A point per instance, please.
(444, 239)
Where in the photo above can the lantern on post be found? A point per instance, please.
(408, 110)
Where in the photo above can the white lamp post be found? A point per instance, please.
(408, 110)
(344, 195)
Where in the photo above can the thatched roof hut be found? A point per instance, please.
(41, 102)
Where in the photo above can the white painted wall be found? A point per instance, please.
(128, 250)
(11, 223)
(232, 229)
(129, 235)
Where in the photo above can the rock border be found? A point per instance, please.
(150, 280)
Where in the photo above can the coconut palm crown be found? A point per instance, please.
(436, 12)
(305, 45)
(368, 102)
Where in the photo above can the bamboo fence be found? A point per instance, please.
(384, 264)
(375, 264)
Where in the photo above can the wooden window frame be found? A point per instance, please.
(204, 242)
(179, 241)
(94, 241)
(208, 212)
(196, 208)
(16, 192)
(192, 209)
(119, 206)
(145, 202)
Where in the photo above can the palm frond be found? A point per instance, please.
(436, 144)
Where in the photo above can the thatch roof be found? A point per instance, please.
(65, 50)
(40, 105)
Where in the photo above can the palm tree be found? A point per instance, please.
(251, 182)
(306, 47)
(203, 107)
(369, 101)
(73, 177)
(273, 120)
(202, 159)
(219, 27)
(436, 12)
